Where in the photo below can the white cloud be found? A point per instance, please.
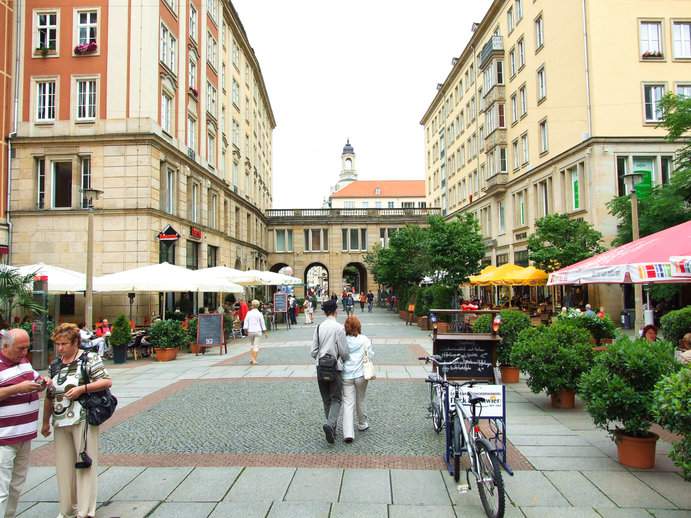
(366, 70)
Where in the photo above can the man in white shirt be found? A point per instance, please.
(330, 338)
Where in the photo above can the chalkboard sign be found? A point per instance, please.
(210, 331)
(478, 354)
(280, 302)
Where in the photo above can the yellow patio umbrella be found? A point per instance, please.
(486, 270)
(496, 277)
(529, 276)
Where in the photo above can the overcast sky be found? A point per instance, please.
(363, 69)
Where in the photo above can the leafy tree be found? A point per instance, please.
(121, 334)
(455, 248)
(559, 242)
(15, 292)
(404, 261)
(669, 204)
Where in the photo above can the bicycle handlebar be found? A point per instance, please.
(437, 360)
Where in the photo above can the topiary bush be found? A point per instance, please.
(598, 328)
(672, 409)
(121, 334)
(512, 323)
(676, 324)
(619, 387)
(192, 330)
(554, 357)
(168, 334)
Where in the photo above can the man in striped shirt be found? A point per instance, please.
(19, 387)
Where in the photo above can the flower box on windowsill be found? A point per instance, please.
(43, 51)
(86, 48)
(194, 92)
(650, 54)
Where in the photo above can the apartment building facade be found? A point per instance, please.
(7, 66)
(546, 109)
(160, 105)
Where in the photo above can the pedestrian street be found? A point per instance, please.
(213, 436)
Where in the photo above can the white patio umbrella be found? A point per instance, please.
(163, 277)
(60, 280)
(267, 278)
(212, 280)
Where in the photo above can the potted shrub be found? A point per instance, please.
(672, 409)
(512, 323)
(601, 329)
(618, 394)
(554, 357)
(167, 336)
(119, 338)
(192, 332)
(675, 324)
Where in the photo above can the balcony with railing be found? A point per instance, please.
(496, 183)
(284, 216)
(494, 45)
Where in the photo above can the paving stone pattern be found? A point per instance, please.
(276, 417)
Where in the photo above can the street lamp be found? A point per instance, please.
(89, 196)
(630, 182)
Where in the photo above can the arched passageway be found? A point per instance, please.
(317, 280)
(355, 276)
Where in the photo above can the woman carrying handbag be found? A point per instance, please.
(357, 370)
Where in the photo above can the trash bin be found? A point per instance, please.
(625, 319)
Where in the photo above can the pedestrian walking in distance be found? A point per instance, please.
(19, 387)
(254, 326)
(354, 382)
(330, 350)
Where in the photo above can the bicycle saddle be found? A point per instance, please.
(474, 400)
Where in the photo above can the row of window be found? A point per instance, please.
(380, 205)
(652, 40)
(316, 239)
(46, 29)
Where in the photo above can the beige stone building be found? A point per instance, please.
(163, 107)
(547, 107)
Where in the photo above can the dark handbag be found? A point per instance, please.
(326, 365)
(99, 405)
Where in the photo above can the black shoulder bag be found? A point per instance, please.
(326, 365)
(99, 405)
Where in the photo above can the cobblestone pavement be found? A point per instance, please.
(210, 436)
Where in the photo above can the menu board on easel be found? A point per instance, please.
(280, 302)
(210, 331)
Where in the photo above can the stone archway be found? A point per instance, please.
(316, 278)
(277, 267)
(355, 275)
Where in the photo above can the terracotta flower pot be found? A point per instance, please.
(636, 452)
(422, 323)
(565, 399)
(403, 315)
(442, 327)
(195, 348)
(166, 355)
(509, 374)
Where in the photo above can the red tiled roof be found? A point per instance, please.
(388, 189)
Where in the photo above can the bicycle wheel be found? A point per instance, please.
(437, 410)
(490, 483)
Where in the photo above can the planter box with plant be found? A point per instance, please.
(192, 332)
(119, 338)
(618, 394)
(675, 324)
(512, 323)
(554, 357)
(85, 48)
(167, 337)
(599, 328)
(672, 409)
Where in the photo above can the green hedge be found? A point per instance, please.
(676, 324)
(598, 328)
(672, 409)
(512, 323)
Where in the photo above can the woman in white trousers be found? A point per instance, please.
(255, 327)
(354, 382)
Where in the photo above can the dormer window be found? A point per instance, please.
(377, 191)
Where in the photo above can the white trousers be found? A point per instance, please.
(354, 401)
(76, 487)
(14, 463)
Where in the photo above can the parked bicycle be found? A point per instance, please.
(464, 435)
(437, 391)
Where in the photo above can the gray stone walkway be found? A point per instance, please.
(575, 470)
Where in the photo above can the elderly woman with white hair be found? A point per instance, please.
(255, 327)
